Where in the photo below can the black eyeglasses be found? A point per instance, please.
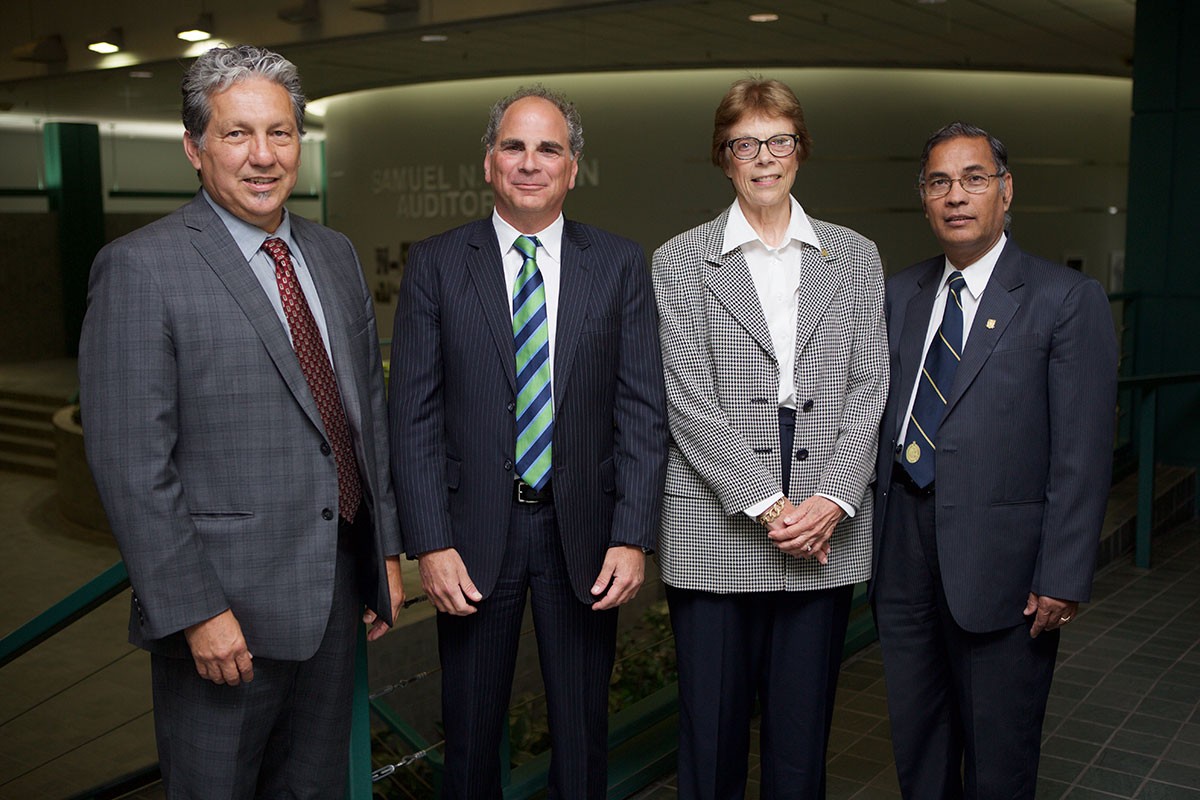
(975, 183)
(747, 148)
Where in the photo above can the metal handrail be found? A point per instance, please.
(79, 603)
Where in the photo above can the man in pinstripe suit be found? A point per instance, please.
(983, 556)
(250, 495)
(487, 527)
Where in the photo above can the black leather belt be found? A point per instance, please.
(524, 493)
(900, 477)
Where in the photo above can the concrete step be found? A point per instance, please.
(29, 464)
(31, 428)
(39, 398)
(26, 409)
(28, 445)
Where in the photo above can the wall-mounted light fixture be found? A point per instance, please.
(112, 41)
(302, 14)
(44, 50)
(198, 30)
(387, 7)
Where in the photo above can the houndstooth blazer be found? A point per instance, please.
(722, 381)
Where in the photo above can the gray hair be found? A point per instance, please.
(959, 129)
(956, 130)
(565, 106)
(220, 68)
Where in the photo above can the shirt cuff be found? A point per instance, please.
(849, 509)
(753, 511)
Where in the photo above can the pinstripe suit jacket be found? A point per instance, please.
(204, 439)
(722, 380)
(1024, 452)
(453, 392)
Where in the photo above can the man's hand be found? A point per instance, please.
(396, 590)
(1048, 614)
(622, 574)
(219, 650)
(804, 530)
(446, 582)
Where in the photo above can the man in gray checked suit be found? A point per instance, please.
(234, 417)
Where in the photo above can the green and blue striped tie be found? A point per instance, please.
(535, 407)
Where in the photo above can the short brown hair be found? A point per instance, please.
(770, 98)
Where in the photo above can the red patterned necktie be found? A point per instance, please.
(314, 362)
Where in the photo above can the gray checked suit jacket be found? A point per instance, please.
(722, 380)
(206, 444)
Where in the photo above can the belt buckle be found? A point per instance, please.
(522, 486)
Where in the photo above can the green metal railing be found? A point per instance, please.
(1145, 391)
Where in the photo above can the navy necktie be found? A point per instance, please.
(934, 383)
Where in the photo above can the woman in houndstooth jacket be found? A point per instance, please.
(775, 355)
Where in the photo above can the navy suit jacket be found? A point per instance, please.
(453, 394)
(1024, 452)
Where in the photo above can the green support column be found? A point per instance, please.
(1164, 204)
(75, 193)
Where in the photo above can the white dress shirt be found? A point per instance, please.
(249, 239)
(976, 275)
(549, 261)
(776, 272)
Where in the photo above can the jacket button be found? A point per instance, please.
(511, 406)
(507, 465)
(801, 454)
(325, 449)
(808, 406)
(327, 514)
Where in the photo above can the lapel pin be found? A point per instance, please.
(824, 253)
(991, 323)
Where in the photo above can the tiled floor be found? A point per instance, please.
(1124, 714)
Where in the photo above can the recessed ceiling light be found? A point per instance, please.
(111, 42)
(435, 37)
(197, 30)
(764, 17)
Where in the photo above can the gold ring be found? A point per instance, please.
(807, 548)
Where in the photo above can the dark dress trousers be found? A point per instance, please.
(1022, 473)
(453, 433)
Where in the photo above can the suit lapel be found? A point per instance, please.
(913, 327)
(487, 273)
(996, 309)
(574, 281)
(820, 282)
(214, 244)
(728, 277)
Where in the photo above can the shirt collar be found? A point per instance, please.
(738, 230)
(550, 237)
(249, 238)
(978, 273)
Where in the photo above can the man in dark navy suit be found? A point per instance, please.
(528, 421)
(993, 476)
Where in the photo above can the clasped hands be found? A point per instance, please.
(804, 531)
